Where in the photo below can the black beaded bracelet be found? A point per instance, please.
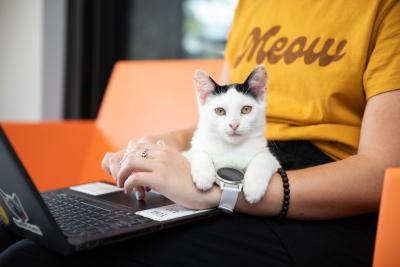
(286, 194)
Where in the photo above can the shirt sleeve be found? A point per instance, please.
(382, 72)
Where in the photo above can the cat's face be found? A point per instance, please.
(234, 112)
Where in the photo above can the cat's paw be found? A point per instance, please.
(258, 175)
(255, 184)
(203, 176)
(253, 190)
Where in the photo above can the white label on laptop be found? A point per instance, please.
(96, 189)
(169, 212)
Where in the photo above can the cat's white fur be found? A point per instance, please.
(214, 145)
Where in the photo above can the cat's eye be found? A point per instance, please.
(246, 109)
(220, 111)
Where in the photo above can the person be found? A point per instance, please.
(332, 111)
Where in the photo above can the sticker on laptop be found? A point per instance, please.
(168, 212)
(19, 215)
(96, 189)
(3, 216)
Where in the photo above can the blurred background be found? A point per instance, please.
(56, 56)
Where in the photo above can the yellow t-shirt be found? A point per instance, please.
(324, 59)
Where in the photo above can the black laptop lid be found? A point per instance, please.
(22, 209)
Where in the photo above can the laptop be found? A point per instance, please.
(80, 217)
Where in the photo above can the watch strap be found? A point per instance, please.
(229, 198)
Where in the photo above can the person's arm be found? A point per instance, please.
(345, 187)
(179, 139)
(224, 79)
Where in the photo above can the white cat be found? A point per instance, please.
(230, 133)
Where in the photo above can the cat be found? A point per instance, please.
(230, 133)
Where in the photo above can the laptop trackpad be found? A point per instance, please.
(152, 200)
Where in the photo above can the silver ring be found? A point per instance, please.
(144, 153)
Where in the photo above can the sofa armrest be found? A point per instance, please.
(56, 154)
(388, 233)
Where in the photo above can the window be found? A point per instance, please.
(206, 24)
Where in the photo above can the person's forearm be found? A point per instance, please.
(343, 188)
(180, 139)
(224, 79)
(347, 187)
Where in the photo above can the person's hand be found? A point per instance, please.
(165, 170)
(179, 140)
(112, 161)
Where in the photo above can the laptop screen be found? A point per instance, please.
(22, 209)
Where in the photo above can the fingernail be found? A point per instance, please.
(108, 171)
(138, 195)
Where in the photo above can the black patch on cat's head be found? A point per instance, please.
(240, 87)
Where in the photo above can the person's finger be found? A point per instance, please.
(135, 164)
(105, 163)
(139, 179)
(140, 193)
(115, 163)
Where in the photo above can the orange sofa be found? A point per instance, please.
(148, 97)
(387, 244)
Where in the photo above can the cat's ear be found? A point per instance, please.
(257, 82)
(204, 85)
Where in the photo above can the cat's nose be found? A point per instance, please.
(234, 126)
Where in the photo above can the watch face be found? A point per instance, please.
(230, 175)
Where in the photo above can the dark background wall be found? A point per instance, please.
(100, 32)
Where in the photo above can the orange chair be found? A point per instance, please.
(142, 97)
(387, 245)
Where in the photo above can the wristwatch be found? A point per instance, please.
(230, 181)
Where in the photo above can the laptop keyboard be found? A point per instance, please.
(77, 216)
